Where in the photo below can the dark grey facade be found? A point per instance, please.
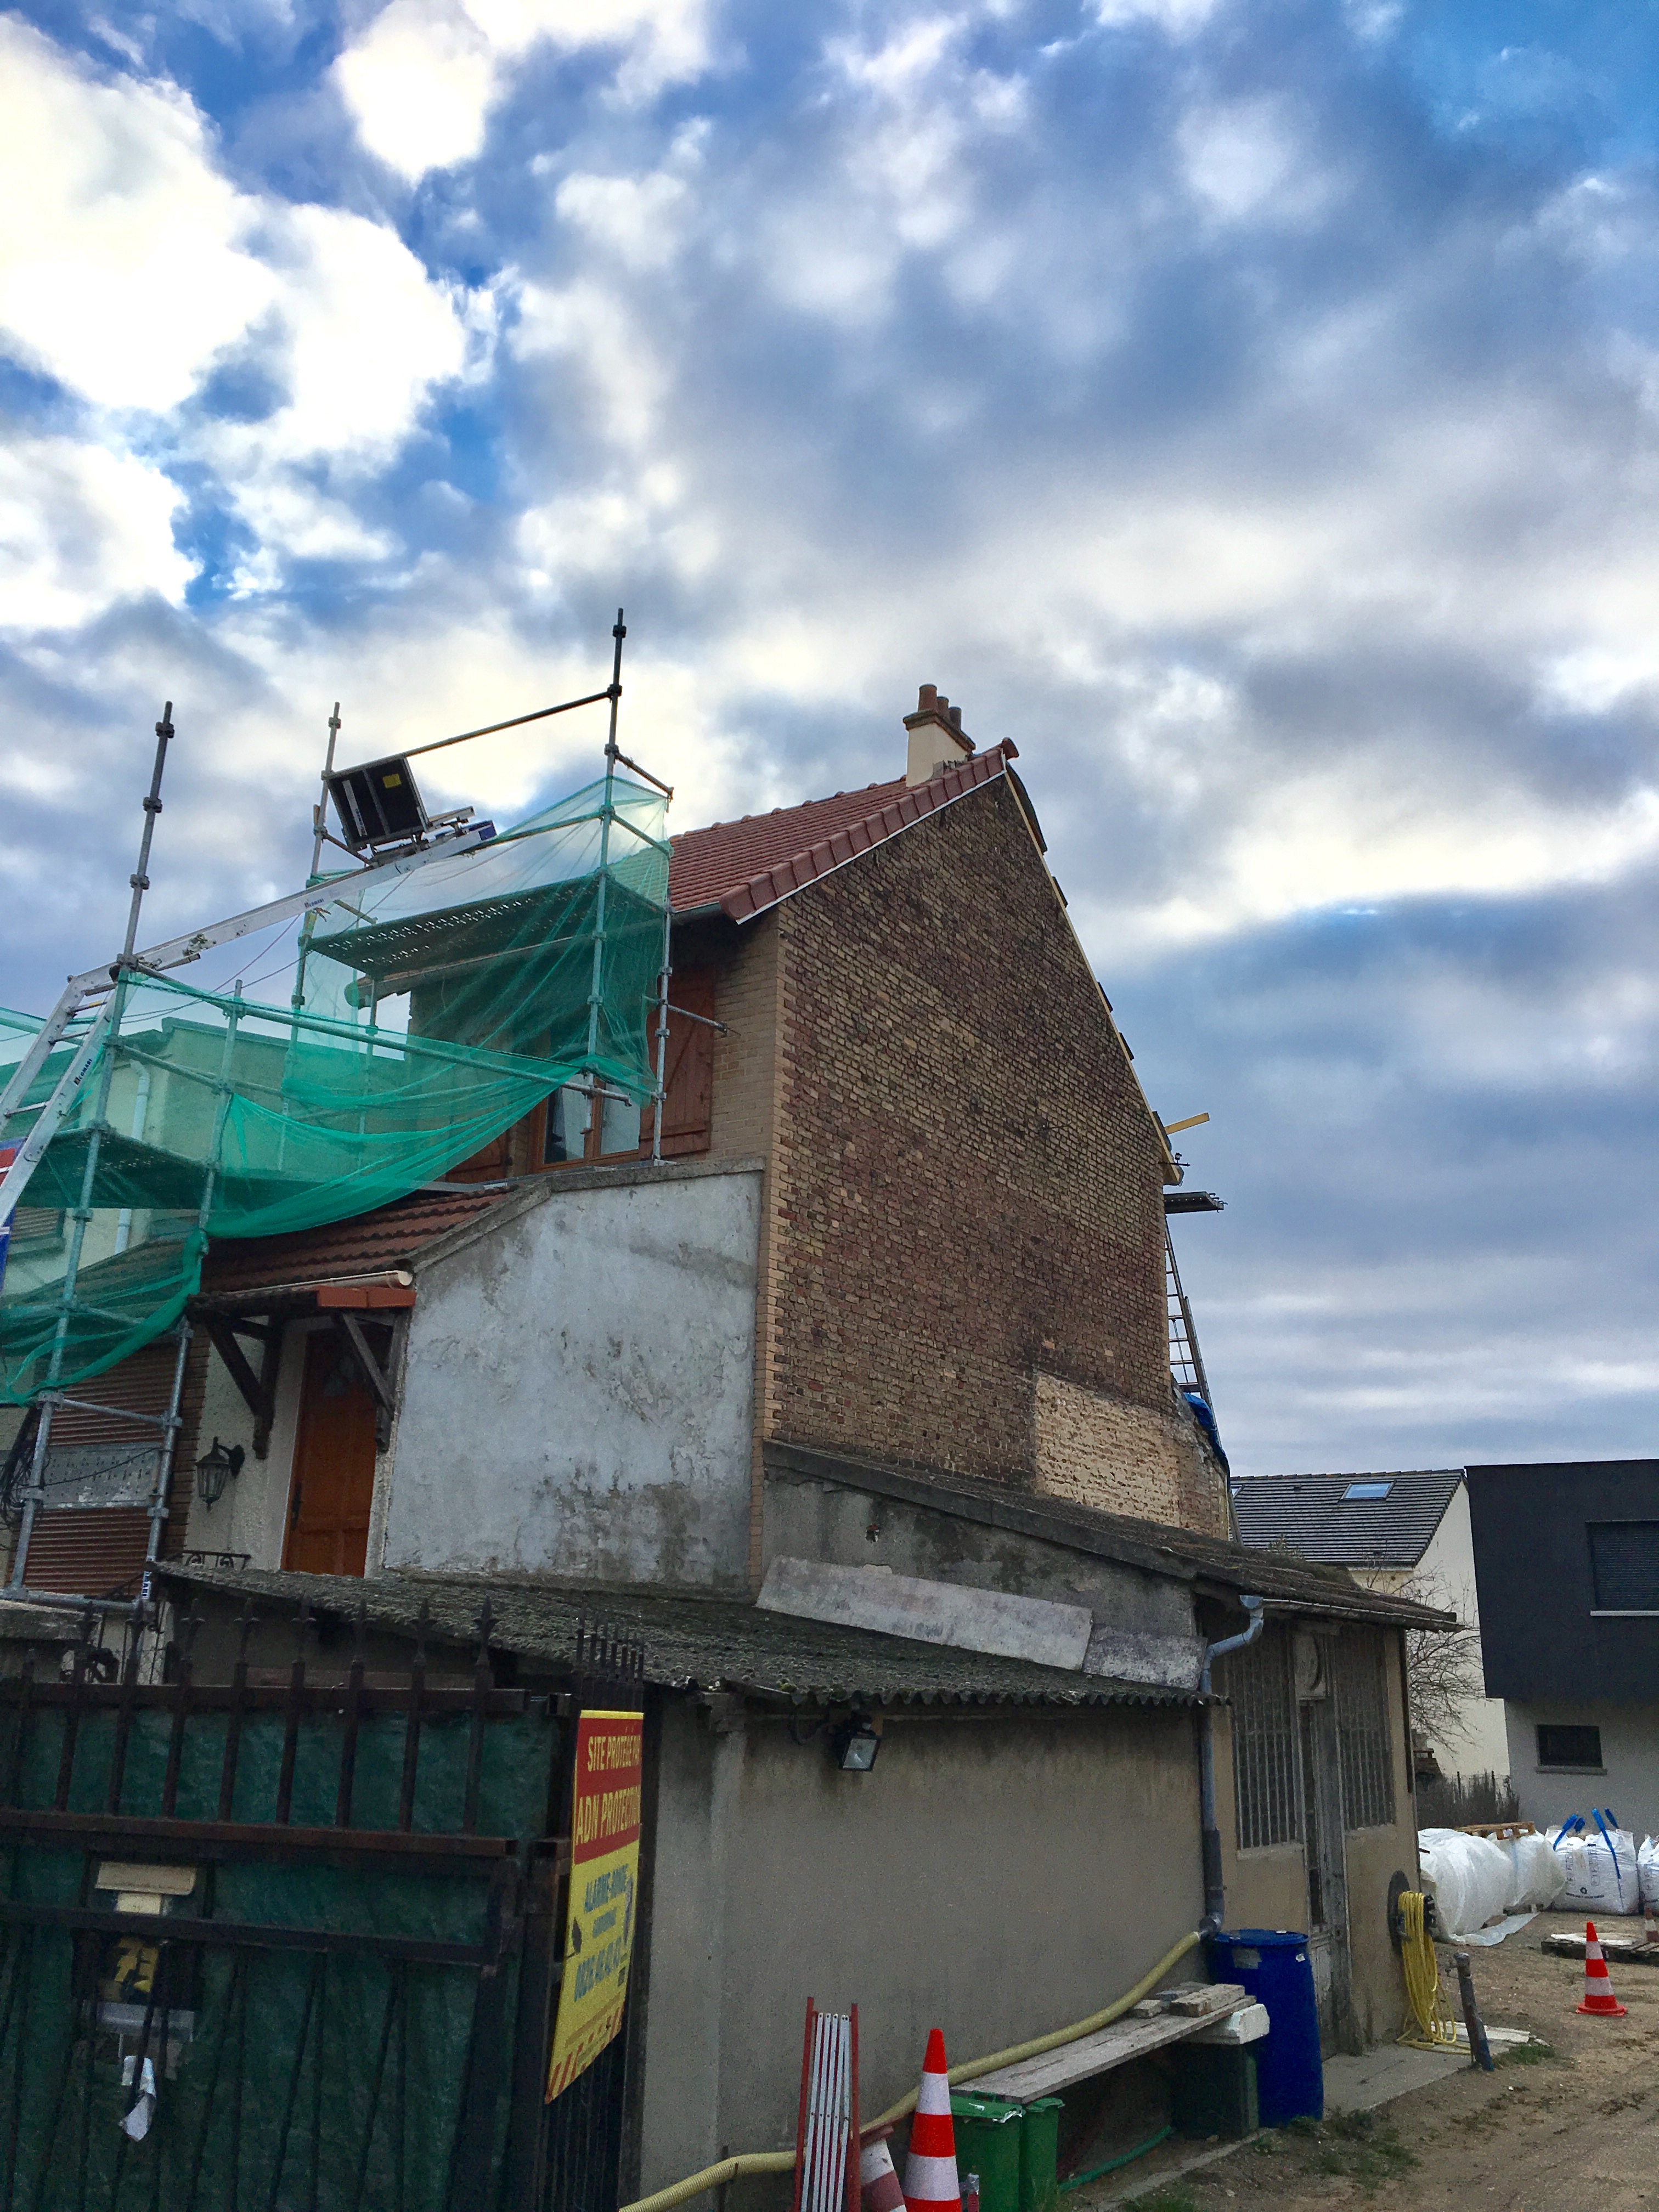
(1566, 1557)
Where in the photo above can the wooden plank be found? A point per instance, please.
(1624, 1949)
(1108, 2047)
(122, 1831)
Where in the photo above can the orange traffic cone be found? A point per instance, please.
(930, 2172)
(878, 2185)
(1599, 1999)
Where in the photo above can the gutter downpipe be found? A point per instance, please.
(1215, 1894)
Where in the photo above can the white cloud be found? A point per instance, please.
(144, 270)
(131, 270)
(421, 79)
(591, 324)
(906, 181)
(363, 339)
(79, 529)
(1179, 17)
(636, 218)
(1368, 831)
(1245, 159)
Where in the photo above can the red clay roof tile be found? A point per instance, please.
(367, 1244)
(746, 866)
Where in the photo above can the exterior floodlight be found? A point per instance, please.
(379, 803)
(216, 1467)
(854, 1745)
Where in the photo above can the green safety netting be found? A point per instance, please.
(431, 1006)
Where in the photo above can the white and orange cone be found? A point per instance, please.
(879, 2182)
(1599, 1999)
(930, 2172)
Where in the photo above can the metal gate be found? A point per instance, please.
(289, 1946)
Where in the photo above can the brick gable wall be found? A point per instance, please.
(964, 1266)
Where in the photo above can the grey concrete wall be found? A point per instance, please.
(1628, 1776)
(993, 1876)
(812, 1520)
(578, 1388)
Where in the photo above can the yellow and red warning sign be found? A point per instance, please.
(604, 1864)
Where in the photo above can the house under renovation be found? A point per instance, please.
(720, 1277)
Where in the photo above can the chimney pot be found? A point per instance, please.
(937, 739)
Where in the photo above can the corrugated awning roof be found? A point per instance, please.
(367, 1244)
(1309, 1585)
(692, 1641)
(1311, 1514)
(748, 866)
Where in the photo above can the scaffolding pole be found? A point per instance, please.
(98, 1044)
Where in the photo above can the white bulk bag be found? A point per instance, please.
(1538, 1875)
(1470, 1878)
(1601, 1871)
(1647, 1874)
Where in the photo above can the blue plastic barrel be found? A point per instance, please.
(1273, 1966)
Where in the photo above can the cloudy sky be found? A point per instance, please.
(1250, 407)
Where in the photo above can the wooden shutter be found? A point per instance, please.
(689, 1079)
(493, 1164)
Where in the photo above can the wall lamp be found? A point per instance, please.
(216, 1467)
(854, 1744)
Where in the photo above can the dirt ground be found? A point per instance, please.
(1573, 2126)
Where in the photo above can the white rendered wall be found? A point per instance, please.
(1444, 1576)
(1628, 1779)
(1483, 1746)
(578, 1389)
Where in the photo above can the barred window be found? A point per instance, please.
(1362, 1730)
(1258, 1685)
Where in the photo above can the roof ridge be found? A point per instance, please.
(748, 867)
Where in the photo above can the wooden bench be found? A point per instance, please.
(1154, 2024)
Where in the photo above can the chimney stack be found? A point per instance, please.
(938, 740)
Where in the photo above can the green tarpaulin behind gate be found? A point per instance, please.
(305, 2087)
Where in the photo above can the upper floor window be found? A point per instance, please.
(1624, 1566)
(589, 1123)
(1367, 1490)
(1577, 1749)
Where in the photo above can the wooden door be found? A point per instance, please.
(333, 1464)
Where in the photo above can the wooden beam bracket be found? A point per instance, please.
(258, 1391)
(378, 1378)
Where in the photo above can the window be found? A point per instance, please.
(586, 1121)
(1361, 1731)
(590, 1123)
(1575, 1748)
(36, 1224)
(1624, 1566)
(1367, 1490)
(1264, 1742)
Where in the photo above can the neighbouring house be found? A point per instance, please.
(1402, 1530)
(1566, 1557)
(854, 1411)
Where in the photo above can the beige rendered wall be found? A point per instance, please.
(994, 1877)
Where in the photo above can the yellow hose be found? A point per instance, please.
(782, 2162)
(1432, 2028)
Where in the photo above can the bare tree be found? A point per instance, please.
(1442, 1666)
